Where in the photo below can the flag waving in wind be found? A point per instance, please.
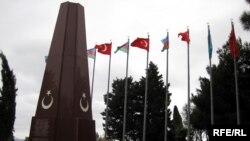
(123, 48)
(91, 53)
(142, 43)
(184, 36)
(104, 48)
(46, 59)
(233, 45)
(210, 45)
(165, 42)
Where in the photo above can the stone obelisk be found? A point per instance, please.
(64, 106)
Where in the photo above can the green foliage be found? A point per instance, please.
(135, 108)
(177, 120)
(224, 91)
(245, 18)
(8, 101)
(179, 131)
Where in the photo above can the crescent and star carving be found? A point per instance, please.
(44, 106)
(47, 106)
(84, 109)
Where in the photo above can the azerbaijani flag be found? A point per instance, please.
(46, 59)
(210, 45)
(123, 48)
(165, 42)
(91, 53)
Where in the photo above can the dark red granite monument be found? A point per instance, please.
(64, 106)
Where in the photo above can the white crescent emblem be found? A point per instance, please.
(105, 48)
(84, 109)
(46, 107)
(145, 43)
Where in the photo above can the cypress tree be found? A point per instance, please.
(8, 101)
(179, 131)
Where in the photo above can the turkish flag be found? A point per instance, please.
(104, 48)
(233, 45)
(184, 36)
(142, 43)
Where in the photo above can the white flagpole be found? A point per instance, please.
(211, 74)
(237, 91)
(211, 93)
(236, 78)
(93, 78)
(166, 102)
(188, 68)
(125, 99)
(145, 100)
(107, 99)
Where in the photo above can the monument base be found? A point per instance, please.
(50, 129)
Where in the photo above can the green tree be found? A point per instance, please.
(135, 110)
(115, 109)
(8, 102)
(224, 91)
(179, 131)
(245, 18)
(156, 104)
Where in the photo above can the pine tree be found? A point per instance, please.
(135, 108)
(156, 105)
(8, 102)
(115, 108)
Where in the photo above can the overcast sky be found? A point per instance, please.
(27, 26)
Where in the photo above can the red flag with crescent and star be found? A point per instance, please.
(184, 36)
(142, 43)
(233, 45)
(104, 48)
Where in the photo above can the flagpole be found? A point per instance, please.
(236, 78)
(145, 100)
(211, 93)
(166, 103)
(107, 99)
(211, 79)
(125, 100)
(188, 67)
(93, 78)
(237, 91)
